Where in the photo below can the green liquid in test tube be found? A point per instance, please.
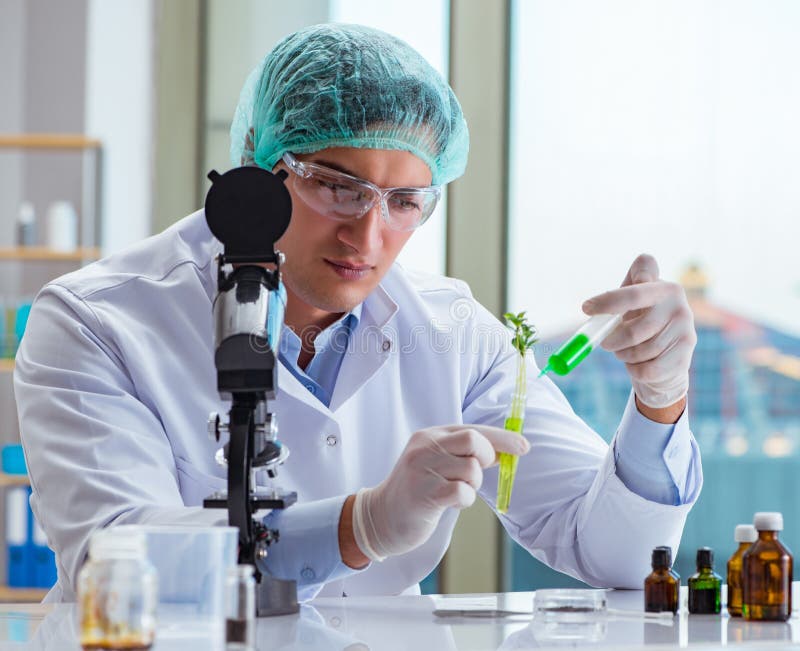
(514, 423)
(578, 347)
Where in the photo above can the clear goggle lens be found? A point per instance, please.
(342, 197)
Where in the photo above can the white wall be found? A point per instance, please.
(119, 111)
(12, 75)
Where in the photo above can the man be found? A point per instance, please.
(393, 384)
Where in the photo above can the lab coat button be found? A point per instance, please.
(331, 440)
(387, 345)
(308, 574)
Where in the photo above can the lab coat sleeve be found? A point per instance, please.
(309, 545)
(569, 507)
(655, 460)
(96, 454)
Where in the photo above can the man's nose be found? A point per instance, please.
(366, 233)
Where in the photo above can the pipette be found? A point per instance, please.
(578, 346)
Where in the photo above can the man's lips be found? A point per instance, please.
(348, 265)
(349, 270)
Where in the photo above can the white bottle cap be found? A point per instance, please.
(768, 521)
(745, 533)
(26, 213)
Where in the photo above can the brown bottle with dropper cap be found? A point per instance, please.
(662, 586)
(767, 573)
(745, 535)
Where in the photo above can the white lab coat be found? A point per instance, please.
(115, 379)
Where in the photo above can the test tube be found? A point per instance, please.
(579, 345)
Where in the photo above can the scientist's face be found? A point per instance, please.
(331, 266)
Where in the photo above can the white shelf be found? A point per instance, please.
(7, 480)
(41, 253)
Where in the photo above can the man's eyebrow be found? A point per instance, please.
(334, 166)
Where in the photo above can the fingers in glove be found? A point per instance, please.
(643, 270)
(452, 468)
(633, 297)
(456, 494)
(467, 441)
(678, 332)
(662, 368)
(639, 329)
(499, 440)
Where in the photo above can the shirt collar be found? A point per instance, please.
(290, 343)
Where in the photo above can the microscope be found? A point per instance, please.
(248, 209)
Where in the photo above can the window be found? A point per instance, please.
(671, 128)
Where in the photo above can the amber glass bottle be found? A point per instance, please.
(767, 573)
(662, 586)
(705, 586)
(745, 535)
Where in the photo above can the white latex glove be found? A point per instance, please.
(656, 338)
(441, 467)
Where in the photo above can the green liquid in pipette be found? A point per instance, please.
(508, 469)
(566, 358)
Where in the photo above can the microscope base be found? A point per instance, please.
(276, 597)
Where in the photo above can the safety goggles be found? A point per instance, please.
(342, 197)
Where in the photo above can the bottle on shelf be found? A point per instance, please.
(745, 535)
(62, 226)
(767, 573)
(705, 586)
(26, 225)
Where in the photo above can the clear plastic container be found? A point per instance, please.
(117, 593)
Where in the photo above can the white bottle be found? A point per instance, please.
(117, 592)
(62, 226)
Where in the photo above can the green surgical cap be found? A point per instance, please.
(348, 86)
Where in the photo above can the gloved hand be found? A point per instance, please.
(656, 338)
(440, 467)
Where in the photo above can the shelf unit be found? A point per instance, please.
(22, 595)
(7, 594)
(44, 258)
(43, 254)
(7, 480)
(92, 177)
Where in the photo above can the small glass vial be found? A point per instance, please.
(117, 593)
(745, 535)
(240, 609)
(662, 586)
(705, 586)
(767, 573)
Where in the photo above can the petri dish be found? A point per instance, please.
(569, 617)
(564, 603)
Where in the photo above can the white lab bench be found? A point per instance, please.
(408, 623)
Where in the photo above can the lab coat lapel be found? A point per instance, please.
(290, 386)
(370, 347)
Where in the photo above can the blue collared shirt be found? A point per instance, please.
(330, 345)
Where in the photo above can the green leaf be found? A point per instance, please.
(524, 336)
